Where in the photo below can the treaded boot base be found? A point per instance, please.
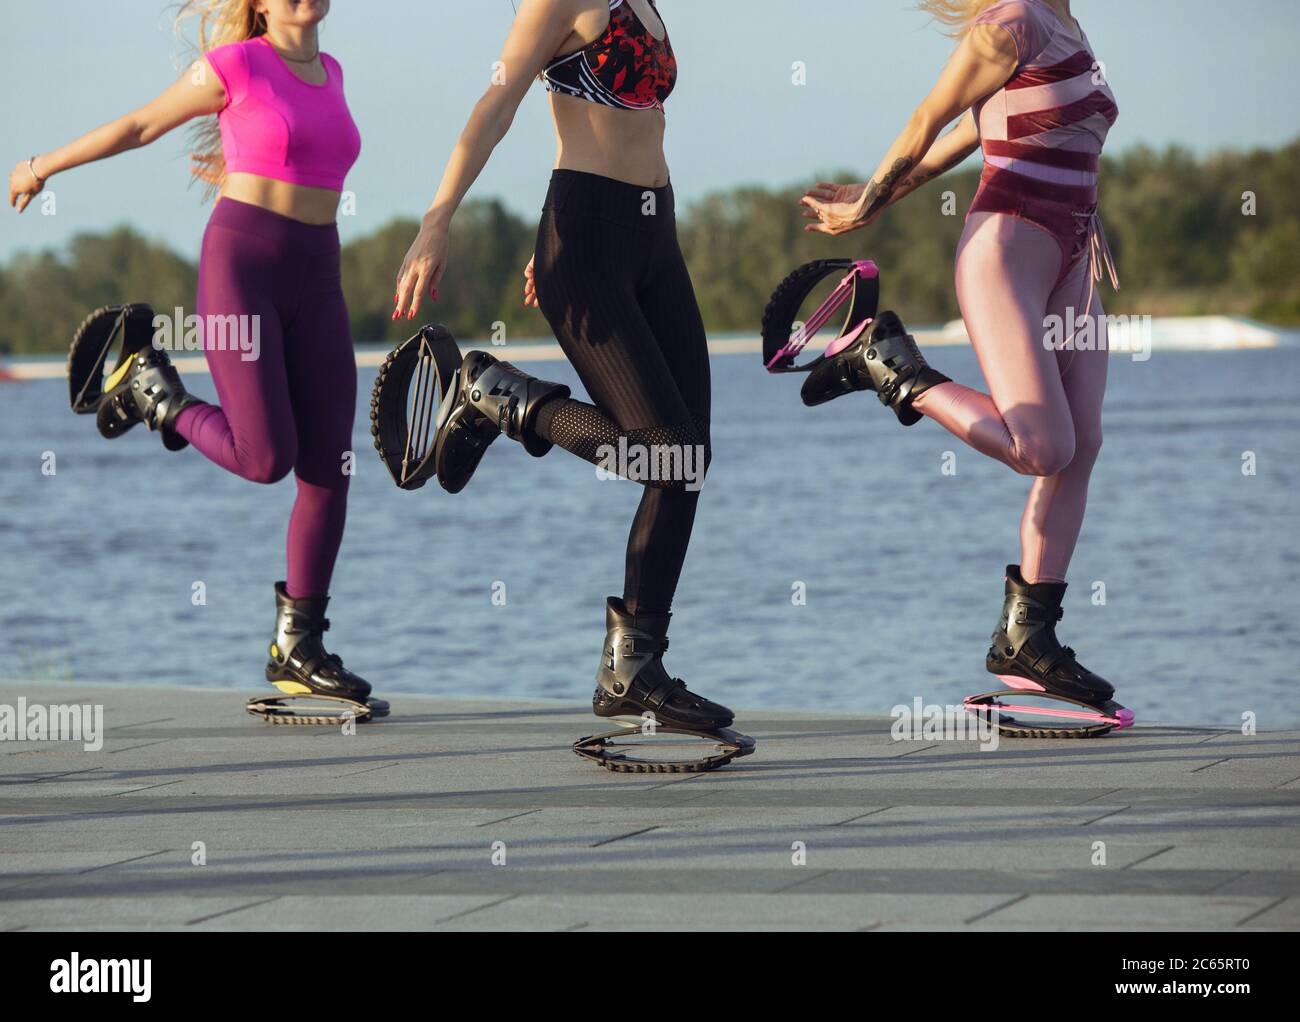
(1087, 721)
(278, 709)
(605, 752)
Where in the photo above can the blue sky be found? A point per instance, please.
(1203, 73)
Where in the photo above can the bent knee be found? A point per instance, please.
(267, 467)
(682, 469)
(672, 458)
(1087, 445)
(1044, 456)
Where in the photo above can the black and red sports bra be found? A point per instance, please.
(627, 67)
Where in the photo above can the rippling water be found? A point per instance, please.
(902, 564)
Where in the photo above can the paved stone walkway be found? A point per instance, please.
(398, 826)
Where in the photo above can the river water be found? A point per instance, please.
(835, 564)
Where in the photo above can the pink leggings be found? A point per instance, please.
(1042, 415)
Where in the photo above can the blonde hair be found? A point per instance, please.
(956, 14)
(219, 22)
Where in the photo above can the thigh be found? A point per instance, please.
(252, 384)
(587, 291)
(1006, 275)
(322, 370)
(667, 300)
(1083, 367)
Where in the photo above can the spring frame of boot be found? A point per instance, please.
(413, 382)
(860, 288)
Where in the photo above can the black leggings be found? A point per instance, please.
(612, 283)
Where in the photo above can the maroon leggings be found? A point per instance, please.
(291, 407)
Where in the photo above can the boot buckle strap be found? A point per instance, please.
(311, 666)
(1027, 613)
(1050, 659)
(506, 415)
(659, 695)
(636, 646)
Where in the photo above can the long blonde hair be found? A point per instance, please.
(956, 14)
(219, 22)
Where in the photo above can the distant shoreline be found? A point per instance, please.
(1197, 333)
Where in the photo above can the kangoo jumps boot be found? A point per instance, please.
(298, 663)
(488, 399)
(146, 389)
(631, 681)
(884, 359)
(1027, 655)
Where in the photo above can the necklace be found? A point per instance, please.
(293, 60)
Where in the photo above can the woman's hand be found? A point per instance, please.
(834, 207)
(425, 263)
(530, 285)
(536, 35)
(23, 187)
(984, 61)
(191, 95)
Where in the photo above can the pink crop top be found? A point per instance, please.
(276, 125)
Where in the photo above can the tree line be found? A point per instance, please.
(1191, 236)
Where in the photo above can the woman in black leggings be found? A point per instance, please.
(610, 278)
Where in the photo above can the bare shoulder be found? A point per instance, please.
(557, 10)
(992, 41)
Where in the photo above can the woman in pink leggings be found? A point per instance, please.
(279, 147)
(1029, 90)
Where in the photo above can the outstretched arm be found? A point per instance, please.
(983, 62)
(195, 94)
(948, 151)
(539, 30)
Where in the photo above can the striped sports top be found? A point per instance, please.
(1055, 111)
(1042, 133)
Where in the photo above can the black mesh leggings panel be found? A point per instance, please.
(614, 287)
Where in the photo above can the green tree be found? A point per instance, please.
(1191, 235)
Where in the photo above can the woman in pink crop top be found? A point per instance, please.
(1029, 90)
(279, 150)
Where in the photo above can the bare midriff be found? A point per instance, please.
(626, 145)
(297, 202)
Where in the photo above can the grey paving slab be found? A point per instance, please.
(111, 913)
(732, 912)
(1283, 914)
(1201, 826)
(316, 913)
(1225, 855)
(1138, 911)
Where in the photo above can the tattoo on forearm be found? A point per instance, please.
(878, 194)
(922, 176)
